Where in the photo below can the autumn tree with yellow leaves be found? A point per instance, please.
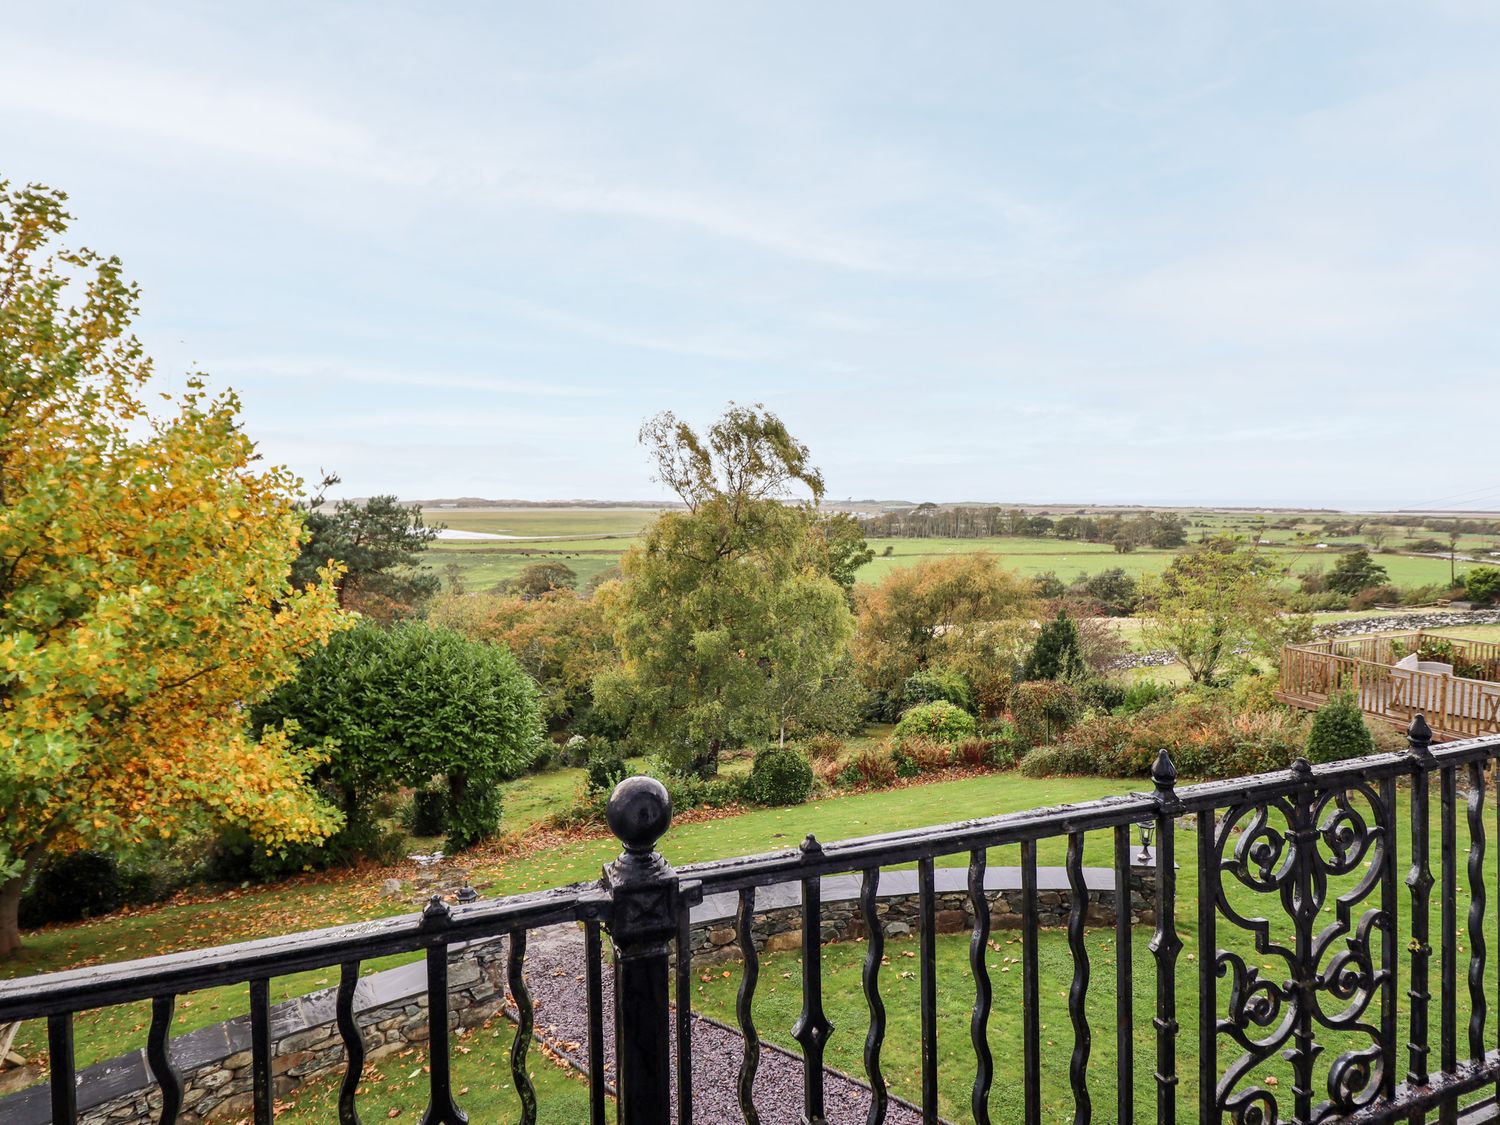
(144, 592)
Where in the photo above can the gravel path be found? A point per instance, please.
(555, 976)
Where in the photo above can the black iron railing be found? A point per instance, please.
(1310, 960)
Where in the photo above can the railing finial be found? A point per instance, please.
(1163, 772)
(1419, 736)
(639, 813)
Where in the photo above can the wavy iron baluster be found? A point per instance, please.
(984, 1070)
(1078, 990)
(526, 1018)
(158, 1061)
(354, 1043)
(874, 951)
(1031, 1021)
(745, 1086)
(1476, 911)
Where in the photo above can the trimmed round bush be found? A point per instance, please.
(780, 776)
(940, 721)
(403, 706)
(1339, 731)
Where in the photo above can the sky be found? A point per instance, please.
(1158, 253)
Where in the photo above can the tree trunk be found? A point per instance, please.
(10, 916)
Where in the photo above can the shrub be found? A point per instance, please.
(1055, 761)
(929, 755)
(780, 776)
(1143, 693)
(73, 885)
(838, 706)
(606, 767)
(870, 766)
(1255, 691)
(1099, 693)
(1482, 584)
(427, 813)
(977, 753)
(1043, 710)
(940, 721)
(933, 685)
(906, 765)
(1372, 596)
(1205, 740)
(1339, 731)
(823, 746)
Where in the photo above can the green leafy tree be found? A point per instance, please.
(963, 613)
(726, 614)
(542, 578)
(1056, 654)
(1354, 572)
(1115, 591)
(144, 594)
(403, 705)
(378, 544)
(844, 549)
(1213, 606)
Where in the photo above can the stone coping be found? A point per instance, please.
(903, 884)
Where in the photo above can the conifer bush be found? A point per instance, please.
(1338, 731)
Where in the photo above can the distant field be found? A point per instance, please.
(592, 540)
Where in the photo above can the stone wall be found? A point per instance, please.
(713, 936)
(215, 1064)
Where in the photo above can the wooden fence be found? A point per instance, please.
(1455, 706)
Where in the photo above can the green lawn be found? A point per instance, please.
(396, 1088)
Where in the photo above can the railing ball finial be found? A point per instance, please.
(1419, 735)
(1301, 767)
(639, 813)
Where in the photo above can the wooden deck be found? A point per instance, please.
(1456, 706)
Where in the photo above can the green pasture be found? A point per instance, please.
(591, 541)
